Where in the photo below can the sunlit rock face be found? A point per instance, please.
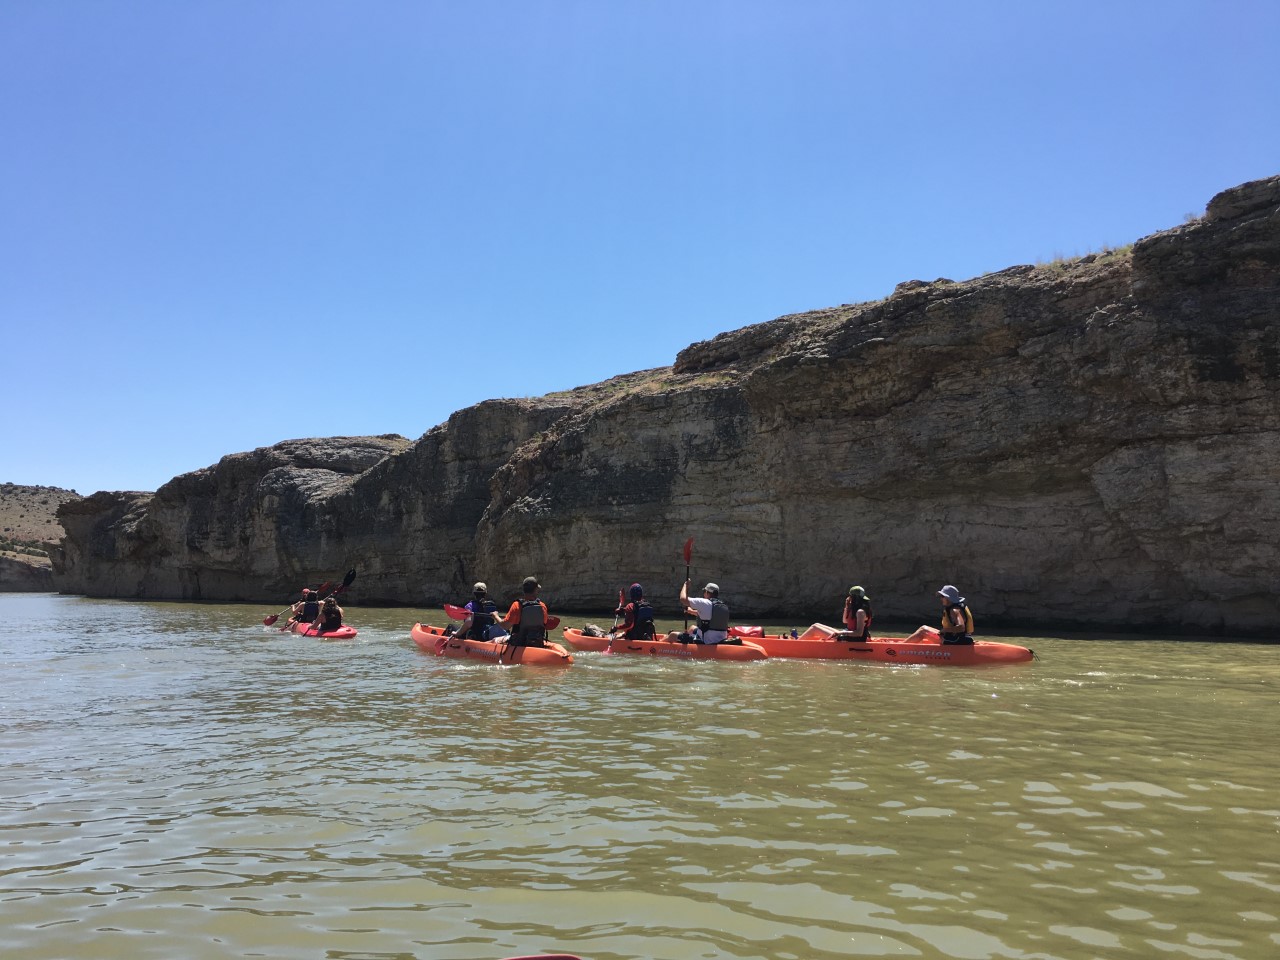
(1088, 443)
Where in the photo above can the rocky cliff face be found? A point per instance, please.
(1087, 443)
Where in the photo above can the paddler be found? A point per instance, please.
(637, 616)
(482, 618)
(712, 614)
(330, 618)
(857, 613)
(957, 620)
(527, 617)
(306, 610)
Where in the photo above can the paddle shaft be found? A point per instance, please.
(268, 621)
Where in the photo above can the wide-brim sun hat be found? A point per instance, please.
(951, 593)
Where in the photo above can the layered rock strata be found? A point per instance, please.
(1088, 443)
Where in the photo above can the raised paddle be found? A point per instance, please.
(346, 582)
(268, 621)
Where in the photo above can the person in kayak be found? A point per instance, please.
(712, 614)
(957, 620)
(330, 615)
(637, 616)
(527, 617)
(306, 610)
(482, 622)
(857, 613)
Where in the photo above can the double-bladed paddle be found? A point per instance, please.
(346, 582)
(462, 613)
(269, 620)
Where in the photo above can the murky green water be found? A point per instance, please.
(180, 783)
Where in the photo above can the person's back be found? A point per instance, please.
(712, 613)
(307, 610)
(527, 617)
(330, 615)
(639, 616)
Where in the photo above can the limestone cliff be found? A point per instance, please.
(1092, 442)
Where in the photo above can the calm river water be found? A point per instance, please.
(179, 782)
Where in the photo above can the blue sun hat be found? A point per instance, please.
(636, 591)
(951, 593)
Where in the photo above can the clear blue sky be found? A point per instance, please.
(225, 224)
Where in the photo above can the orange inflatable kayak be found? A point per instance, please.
(435, 640)
(666, 648)
(840, 645)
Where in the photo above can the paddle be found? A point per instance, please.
(268, 621)
(688, 558)
(346, 582)
(616, 613)
(462, 613)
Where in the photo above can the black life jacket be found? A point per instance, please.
(331, 622)
(482, 619)
(310, 611)
(642, 627)
(866, 624)
(719, 616)
(532, 629)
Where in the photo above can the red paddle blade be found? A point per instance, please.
(552, 623)
(688, 551)
(325, 586)
(268, 621)
(456, 613)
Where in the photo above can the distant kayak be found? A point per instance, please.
(666, 648)
(840, 645)
(306, 630)
(435, 641)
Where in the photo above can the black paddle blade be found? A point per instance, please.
(346, 581)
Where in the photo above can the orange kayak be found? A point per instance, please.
(667, 648)
(842, 646)
(434, 640)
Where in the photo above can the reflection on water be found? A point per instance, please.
(181, 782)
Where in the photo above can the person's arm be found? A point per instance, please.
(860, 621)
(628, 620)
(513, 615)
(684, 594)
